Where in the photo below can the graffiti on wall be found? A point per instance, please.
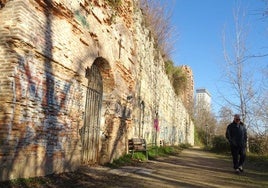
(42, 110)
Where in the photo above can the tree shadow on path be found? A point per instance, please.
(190, 168)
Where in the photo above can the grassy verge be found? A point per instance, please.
(153, 153)
(253, 161)
(257, 161)
(25, 182)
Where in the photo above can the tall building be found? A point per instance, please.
(203, 99)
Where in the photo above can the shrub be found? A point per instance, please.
(258, 145)
(177, 77)
(220, 144)
(200, 136)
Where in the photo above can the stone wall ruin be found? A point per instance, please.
(56, 111)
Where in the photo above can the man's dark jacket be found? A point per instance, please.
(236, 134)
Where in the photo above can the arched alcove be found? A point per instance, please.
(100, 83)
(106, 73)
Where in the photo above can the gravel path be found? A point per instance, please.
(191, 168)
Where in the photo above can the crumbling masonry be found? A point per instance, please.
(78, 79)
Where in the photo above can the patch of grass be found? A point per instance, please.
(153, 153)
(23, 182)
(163, 151)
(258, 161)
(121, 161)
(253, 161)
(140, 156)
(255, 157)
(156, 151)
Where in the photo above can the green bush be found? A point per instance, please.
(176, 76)
(197, 139)
(220, 144)
(258, 145)
(200, 136)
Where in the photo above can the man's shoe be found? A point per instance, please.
(237, 171)
(240, 168)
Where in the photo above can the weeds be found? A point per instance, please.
(260, 161)
(23, 182)
(123, 160)
(153, 153)
(114, 3)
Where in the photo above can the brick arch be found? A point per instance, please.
(106, 73)
(107, 86)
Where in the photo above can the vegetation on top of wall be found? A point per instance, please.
(114, 3)
(157, 18)
(176, 76)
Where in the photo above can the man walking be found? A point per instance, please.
(236, 134)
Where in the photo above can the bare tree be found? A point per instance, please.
(240, 82)
(248, 95)
(225, 117)
(260, 110)
(205, 122)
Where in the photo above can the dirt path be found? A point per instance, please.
(191, 168)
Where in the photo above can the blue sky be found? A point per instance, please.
(200, 26)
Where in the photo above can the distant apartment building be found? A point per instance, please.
(203, 99)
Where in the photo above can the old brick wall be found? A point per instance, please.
(45, 48)
(155, 92)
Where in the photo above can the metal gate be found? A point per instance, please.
(91, 129)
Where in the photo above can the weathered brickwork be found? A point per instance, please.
(52, 119)
(187, 95)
